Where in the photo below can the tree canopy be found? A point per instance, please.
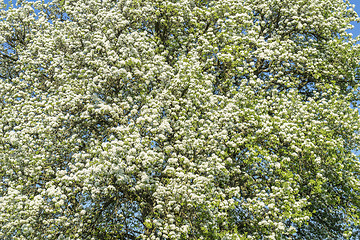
(179, 119)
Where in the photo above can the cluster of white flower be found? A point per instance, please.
(189, 119)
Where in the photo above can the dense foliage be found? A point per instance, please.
(179, 119)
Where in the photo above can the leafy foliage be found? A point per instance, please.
(168, 119)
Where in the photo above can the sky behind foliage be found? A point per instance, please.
(356, 30)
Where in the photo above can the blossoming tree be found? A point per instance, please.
(179, 119)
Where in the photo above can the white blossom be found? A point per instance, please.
(178, 119)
